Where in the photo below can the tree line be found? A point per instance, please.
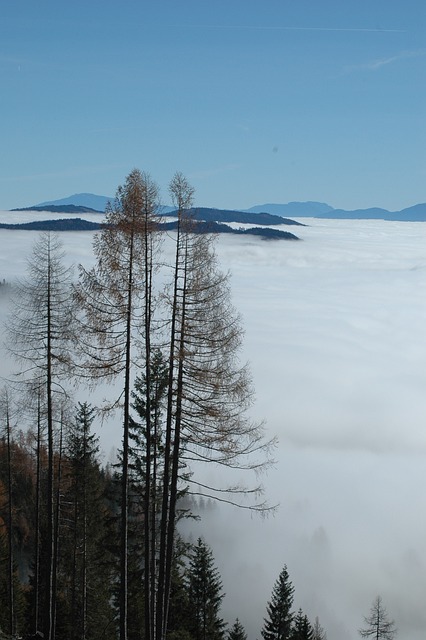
(87, 566)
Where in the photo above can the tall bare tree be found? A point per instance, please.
(40, 334)
(36, 587)
(116, 299)
(377, 624)
(209, 390)
(6, 410)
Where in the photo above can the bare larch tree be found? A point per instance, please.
(115, 298)
(377, 623)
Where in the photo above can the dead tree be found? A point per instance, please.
(40, 334)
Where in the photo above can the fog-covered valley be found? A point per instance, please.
(334, 332)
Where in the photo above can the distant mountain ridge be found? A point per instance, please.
(297, 209)
(311, 209)
(90, 200)
(416, 213)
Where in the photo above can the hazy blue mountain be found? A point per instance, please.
(297, 209)
(98, 203)
(416, 213)
(165, 210)
(87, 200)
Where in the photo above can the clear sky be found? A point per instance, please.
(254, 101)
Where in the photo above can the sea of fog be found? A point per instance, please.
(335, 335)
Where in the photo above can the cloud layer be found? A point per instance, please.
(335, 336)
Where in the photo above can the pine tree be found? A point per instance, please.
(237, 631)
(278, 624)
(302, 629)
(146, 456)
(205, 595)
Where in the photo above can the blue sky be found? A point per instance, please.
(254, 102)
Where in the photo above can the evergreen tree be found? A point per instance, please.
(180, 605)
(205, 595)
(318, 631)
(237, 632)
(146, 455)
(86, 573)
(278, 624)
(302, 629)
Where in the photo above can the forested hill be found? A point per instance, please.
(200, 226)
(63, 208)
(63, 224)
(228, 215)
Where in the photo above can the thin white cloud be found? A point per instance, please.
(374, 65)
(286, 28)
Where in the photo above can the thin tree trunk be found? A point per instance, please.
(149, 542)
(10, 512)
(56, 536)
(161, 589)
(176, 444)
(37, 519)
(84, 607)
(154, 514)
(125, 464)
(74, 566)
(50, 470)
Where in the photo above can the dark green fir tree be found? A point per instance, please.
(278, 623)
(85, 567)
(237, 631)
(205, 594)
(302, 628)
